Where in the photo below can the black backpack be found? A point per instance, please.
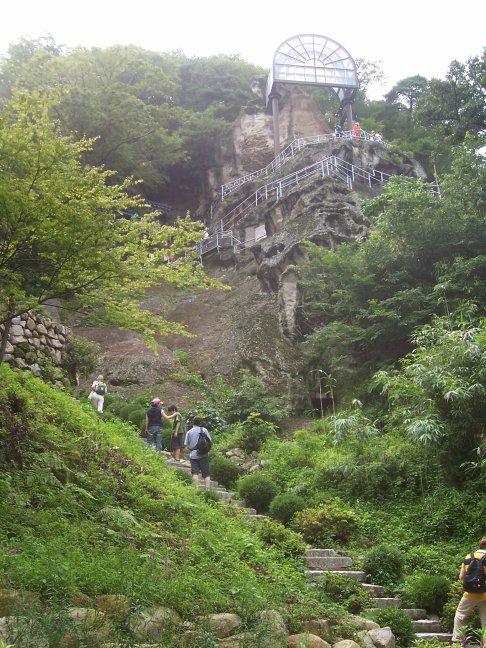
(203, 445)
(474, 580)
(101, 389)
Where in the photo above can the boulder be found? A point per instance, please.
(224, 624)
(382, 638)
(346, 643)
(153, 624)
(361, 623)
(12, 600)
(319, 627)
(306, 639)
(272, 621)
(113, 604)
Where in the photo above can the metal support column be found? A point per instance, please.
(276, 123)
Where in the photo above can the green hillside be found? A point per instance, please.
(87, 510)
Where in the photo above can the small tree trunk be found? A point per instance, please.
(5, 334)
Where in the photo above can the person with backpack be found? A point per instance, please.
(97, 393)
(473, 576)
(199, 443)
(177, 436)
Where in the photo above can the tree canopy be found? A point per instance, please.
(62, 230)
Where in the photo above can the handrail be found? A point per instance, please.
(330, 164)
(290, 151)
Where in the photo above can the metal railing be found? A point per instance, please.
(290, 151)
(223, 237)
(325, 167)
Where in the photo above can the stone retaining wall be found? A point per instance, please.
(32, 340)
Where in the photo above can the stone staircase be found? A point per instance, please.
(322, 561)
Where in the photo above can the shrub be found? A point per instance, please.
(81, 356)
(427, 591)
(255, 431)
(210, 496)
(251, 396)
(183, 476)
(400, 623)
(283, 507)
(325, 523)
(257, 491)
(274, 534)
(224, 471)
(384, 565)
(344, 590)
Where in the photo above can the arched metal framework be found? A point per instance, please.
(310, 59)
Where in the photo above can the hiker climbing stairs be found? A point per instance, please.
(322, 561)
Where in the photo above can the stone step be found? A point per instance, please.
(223, 494)
(376, 590)
(440, 636)
(315, 573)
(255, 516)
(240, 505)
(415, 613)
(321, 553)
(427, 625)
(329, 563)
(387, 602)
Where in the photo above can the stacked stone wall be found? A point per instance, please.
(34, 339)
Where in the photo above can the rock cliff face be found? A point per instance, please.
(256, 324)
(251, 145)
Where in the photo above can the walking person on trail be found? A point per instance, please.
(473, 576)
(356, 131)
(97, 393)
(199, 459)
(177, 436)
(154, 424)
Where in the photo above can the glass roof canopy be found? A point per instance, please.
(312, 59)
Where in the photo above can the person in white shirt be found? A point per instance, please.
(97, 393)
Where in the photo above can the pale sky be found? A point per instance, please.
(409, 37)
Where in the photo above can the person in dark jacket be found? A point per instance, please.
(154, 424)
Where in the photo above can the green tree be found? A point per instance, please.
(423, 255)
(455, 106)
(407, 91)
(437, 395)
(61, 235)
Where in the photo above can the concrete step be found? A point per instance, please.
(427, 625)
(223, 494)
(440, 636)
(375, 590)
(415, 613)
(329, 563)
(321, 553)
(387, 602)
(239, 505)
(315, 573)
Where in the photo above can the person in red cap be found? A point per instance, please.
(154, 424)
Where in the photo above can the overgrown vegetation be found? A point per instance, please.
(86, 510)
